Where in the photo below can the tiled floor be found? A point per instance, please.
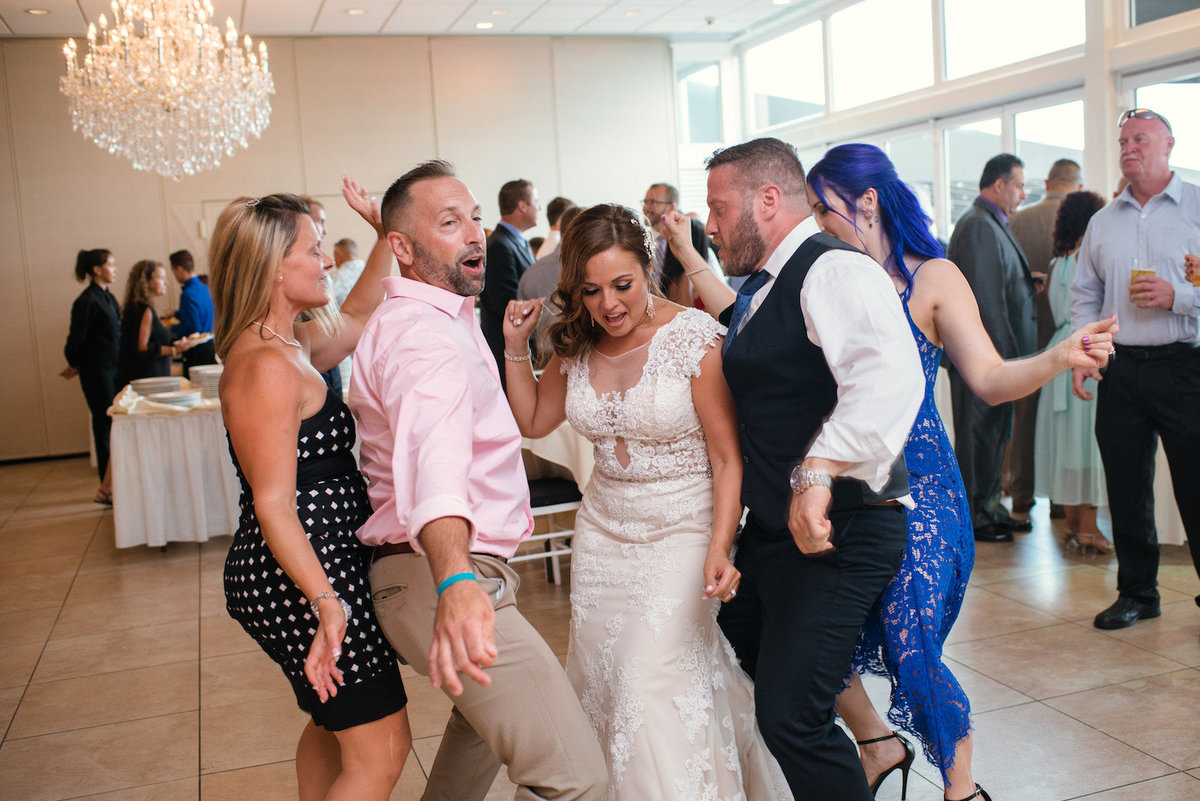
(121, 677)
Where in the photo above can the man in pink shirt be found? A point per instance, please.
(442, 456)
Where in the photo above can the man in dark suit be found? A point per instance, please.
(984, 248)
(826, 383)
(508, 256)
(661, 200)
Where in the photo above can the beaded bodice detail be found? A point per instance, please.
(636, 408)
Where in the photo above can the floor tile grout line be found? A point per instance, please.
(50, 632)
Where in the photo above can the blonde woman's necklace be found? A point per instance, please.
(264, 327)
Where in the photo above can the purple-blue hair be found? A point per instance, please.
(849, 171)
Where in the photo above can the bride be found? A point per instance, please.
(641, 378)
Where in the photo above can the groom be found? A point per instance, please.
(826, 381)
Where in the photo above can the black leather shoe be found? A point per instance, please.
(1057, 511)
(1020, 526)
(1124, 613)
(993, 532)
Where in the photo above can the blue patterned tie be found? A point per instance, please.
(741, 304)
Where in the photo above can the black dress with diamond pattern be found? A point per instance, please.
(332, 503)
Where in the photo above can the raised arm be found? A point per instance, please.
(366, 294)
(539, 407)
(714, 292)
(962, 333)
(261, 406)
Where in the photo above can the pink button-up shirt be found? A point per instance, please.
(438, 439)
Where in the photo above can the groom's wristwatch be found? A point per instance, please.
(803, 478)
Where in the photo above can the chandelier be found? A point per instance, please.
(165, 89)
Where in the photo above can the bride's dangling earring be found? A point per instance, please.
(650, 304)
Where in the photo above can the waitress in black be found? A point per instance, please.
(93, 348)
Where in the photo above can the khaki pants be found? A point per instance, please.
(528, 719)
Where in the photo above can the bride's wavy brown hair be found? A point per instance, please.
(593, 231)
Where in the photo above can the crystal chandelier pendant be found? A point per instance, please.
(163, 87)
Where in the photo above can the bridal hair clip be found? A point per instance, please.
(252, 202)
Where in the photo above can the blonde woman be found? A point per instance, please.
(296, 575)
(146, 346)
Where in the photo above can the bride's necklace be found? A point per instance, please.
(294, 343)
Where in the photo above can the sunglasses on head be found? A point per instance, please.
(1142, 114)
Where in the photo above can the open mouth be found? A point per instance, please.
(615, 320)
(473, 264)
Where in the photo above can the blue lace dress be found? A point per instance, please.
(903, 639)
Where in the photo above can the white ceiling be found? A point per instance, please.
(673, 19)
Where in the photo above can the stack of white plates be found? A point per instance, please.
(149, 386)
(183, 397)
(208, 376)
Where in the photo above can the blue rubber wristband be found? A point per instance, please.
(457, 577)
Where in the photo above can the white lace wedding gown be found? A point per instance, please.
(673, 711)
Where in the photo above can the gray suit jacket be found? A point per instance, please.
(985, 250)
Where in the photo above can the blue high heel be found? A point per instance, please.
(904, 764)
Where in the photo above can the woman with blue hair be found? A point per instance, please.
(857, 197)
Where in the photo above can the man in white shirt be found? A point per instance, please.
(1151, 389)
(827, 382)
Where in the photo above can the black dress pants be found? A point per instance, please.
(980, 434)
(99, 389)
(794, 624)
(1148, 393)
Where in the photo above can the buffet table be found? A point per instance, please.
(173, 478)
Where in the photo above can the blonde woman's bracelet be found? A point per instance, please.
(512, 358)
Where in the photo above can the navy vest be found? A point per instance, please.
(783, 392)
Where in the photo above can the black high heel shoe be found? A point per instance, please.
(979, 793)
(904, 764)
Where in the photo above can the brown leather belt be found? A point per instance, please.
(392, 548)
(885, 503)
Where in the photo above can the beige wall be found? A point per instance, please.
(592, 119)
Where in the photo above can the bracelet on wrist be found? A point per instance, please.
(698, 270)
(315, 603)
(512, 358)
(457, 577)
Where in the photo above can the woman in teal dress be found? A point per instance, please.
(857, 197)
(1067, 458)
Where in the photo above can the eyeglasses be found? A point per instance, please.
(1142, 114)
(649, 201)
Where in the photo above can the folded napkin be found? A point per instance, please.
(130, 402)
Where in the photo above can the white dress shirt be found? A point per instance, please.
(854, 315)
(1124, 236)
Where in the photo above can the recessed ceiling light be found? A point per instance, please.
(633, 13)
(356, 12)
(781, 2)
(37, 12)
(499, 12)
(484, 26)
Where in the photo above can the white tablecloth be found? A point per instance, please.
(173, 478)
(566, 447)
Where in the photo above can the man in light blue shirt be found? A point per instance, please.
(1152, 387)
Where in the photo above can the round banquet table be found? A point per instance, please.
(173, 478)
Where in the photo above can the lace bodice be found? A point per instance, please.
(637, 408)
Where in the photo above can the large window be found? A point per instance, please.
(894, 37)
(968, 148)
(786, 77)
(1143, 11)
(1045, 135)
(912, 154)
(699, 94)
(980, 37)
(1179, 102)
